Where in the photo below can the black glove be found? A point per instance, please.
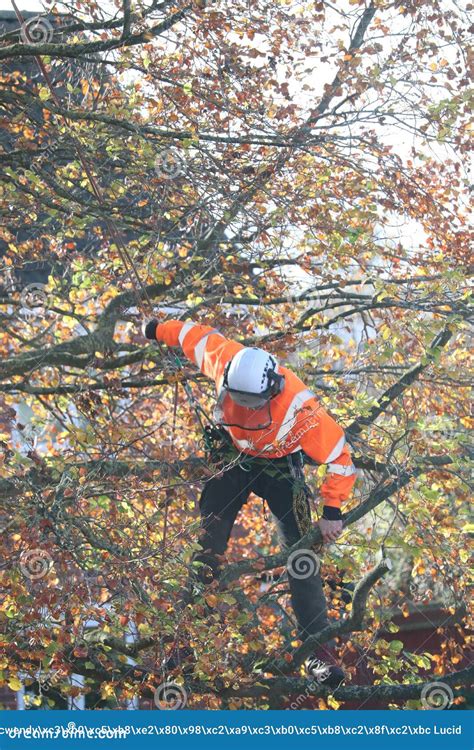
(149, 329)
(331, 514)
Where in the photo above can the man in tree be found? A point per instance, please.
(273, 421)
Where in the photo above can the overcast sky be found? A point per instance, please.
(22, 5)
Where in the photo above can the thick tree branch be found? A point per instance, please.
(402, 384)
(459, 682)
(57, 50)
(376, 497)
(331, 90)
(349, 624)
(287, 686)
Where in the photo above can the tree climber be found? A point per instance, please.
(273, 422)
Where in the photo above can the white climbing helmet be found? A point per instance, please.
(251, 378)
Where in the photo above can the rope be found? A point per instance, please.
(169, 489)
(198, 410)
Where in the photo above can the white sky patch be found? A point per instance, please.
(33, 5)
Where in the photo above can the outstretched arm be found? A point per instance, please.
(202, 345)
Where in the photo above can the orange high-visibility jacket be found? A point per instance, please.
(298, 421)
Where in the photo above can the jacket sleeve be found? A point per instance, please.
(325, 443)
(202, 345)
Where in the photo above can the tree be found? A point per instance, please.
(293, 173)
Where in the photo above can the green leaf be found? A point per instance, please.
(44, 93)
(395, 647)
(228, 599)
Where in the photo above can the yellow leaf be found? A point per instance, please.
(107, 690)
(14, 684)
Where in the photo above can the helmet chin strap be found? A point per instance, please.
(275, 386)
(219, 414)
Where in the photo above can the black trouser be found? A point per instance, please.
(287, 497)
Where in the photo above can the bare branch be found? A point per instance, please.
(402, 384)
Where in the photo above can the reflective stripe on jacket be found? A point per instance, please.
(297, 419)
